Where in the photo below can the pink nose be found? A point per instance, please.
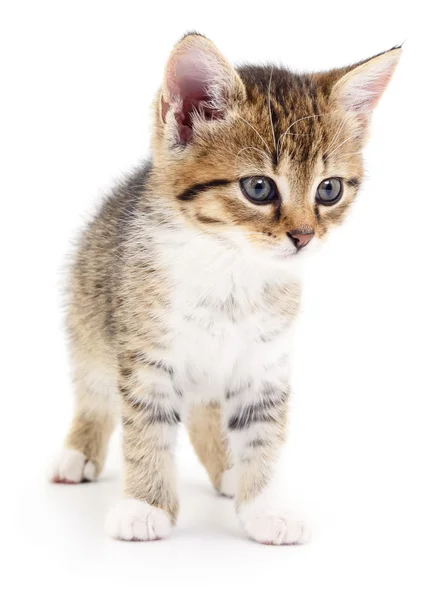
(300, 237)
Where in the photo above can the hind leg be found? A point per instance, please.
(209, 440)
(85, 447)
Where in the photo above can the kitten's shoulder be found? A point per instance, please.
(102, 238)
(122, 201)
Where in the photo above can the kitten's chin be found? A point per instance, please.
(285, 261)
(292, 257)
(286, 255)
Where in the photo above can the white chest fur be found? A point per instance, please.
(223, 330)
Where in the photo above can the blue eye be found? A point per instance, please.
(329, 191)
(258, 189)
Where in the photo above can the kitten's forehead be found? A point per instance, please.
(291, 112)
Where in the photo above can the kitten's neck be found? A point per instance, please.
(208, 262)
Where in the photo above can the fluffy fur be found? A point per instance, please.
(182, 291)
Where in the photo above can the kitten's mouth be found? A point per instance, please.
(287, 255)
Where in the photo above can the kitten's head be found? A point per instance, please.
(263, 158)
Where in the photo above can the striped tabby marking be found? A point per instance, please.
(191, 192)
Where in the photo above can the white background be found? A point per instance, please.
(363, 459)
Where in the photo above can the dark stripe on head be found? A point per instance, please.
(191, 192)
(208, 220)
(274, 123)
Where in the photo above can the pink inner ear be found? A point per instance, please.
(189, 86)
(375, 88)
(363, 90)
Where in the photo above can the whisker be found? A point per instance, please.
(337, 133)
(276, 148)
(295, 134)
(352, 153)
(249, 148)
(343, 142)
(343, 123)
(285, 133)
(255, 131)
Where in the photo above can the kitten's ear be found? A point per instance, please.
(359, 89)
(198, 81)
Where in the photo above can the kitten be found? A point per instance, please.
(184, 286)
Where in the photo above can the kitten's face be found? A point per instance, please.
(272, 162)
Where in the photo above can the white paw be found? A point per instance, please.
(71, 466)
(135, 520)
(269, 526)
(228, 484)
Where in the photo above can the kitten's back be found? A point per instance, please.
(95, 267)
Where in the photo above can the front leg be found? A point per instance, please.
(151, 405)
(256, 421)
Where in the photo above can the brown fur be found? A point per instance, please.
(236, 149)
(209, 441)
(289, 127)
(90, 436)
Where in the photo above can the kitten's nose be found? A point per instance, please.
(301, 237)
